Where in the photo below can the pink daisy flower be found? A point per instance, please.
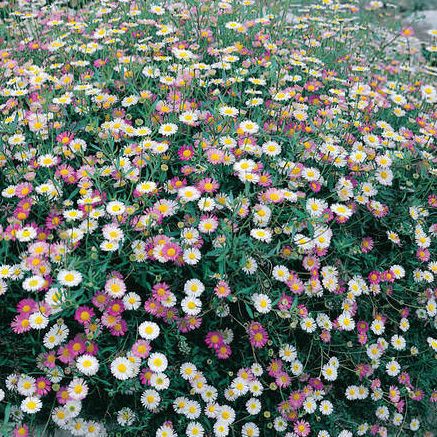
(302, 428)
(171, 251)
(185, 153)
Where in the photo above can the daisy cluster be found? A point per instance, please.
(217, 220)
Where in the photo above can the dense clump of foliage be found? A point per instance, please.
(218, 218)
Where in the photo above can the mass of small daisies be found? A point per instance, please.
(217, 219)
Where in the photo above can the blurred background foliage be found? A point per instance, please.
(404, 5)
(417, 5)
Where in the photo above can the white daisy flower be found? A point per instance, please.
(157, 362)
(150, 399)
(31, 405)
(262, 303)
(122, 368)
(264, 235)
(69, 278)
(115, 208)
(168, 129)
(87, 364)
(149, 330)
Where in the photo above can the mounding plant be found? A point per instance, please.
(218, 218)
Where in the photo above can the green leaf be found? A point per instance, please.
(249, 310)
(7, 413)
